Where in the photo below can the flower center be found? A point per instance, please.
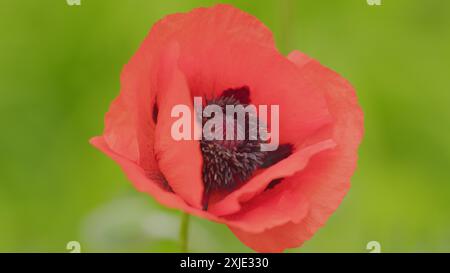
(227, 163)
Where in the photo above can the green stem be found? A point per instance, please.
(184, 232)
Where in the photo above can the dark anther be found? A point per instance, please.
(273, 157)
(228, 163)
(159, 179)
(273, 183)
(155, 112)
(241, 94)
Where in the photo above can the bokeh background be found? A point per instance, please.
(59, 71)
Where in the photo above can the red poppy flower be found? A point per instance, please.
(221, 53)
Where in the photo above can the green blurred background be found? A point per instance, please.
(60, 68)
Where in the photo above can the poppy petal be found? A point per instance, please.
(223, 47)
(276, 239)
(326, 179)
(138, 176)
(130, 121)
(129, 129)
(270, 209)
(203, 32)
(144, 183)
(272, 81)
(287, 167)
(179, 160)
